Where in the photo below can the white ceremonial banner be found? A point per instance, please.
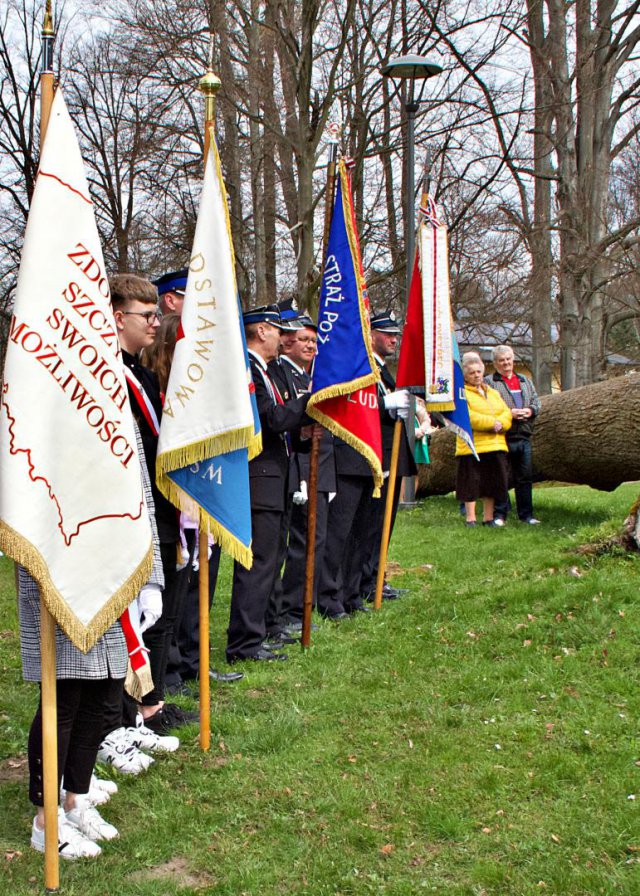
(433, 247)
(207, 410)
(72, 510)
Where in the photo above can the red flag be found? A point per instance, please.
(411, 370)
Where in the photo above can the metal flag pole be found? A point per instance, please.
(209, 86)
(312, 506)
(50, 791)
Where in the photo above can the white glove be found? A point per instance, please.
(149, 606)
(399, 402)
(302, 495)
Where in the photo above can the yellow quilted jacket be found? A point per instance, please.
(485, 407)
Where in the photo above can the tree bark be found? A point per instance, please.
(587, 436)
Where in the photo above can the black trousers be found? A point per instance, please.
(521, 465)
(371, 557)
(293, 579)
(274, 606)
(252, 587)
(346, 532)
(188, 637)
(158, 638)
(80, 704)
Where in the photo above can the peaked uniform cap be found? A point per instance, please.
(176, 281)
(265, 314)
(385, 322)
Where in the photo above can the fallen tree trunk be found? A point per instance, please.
(588, 436)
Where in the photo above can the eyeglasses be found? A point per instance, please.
(149, 316)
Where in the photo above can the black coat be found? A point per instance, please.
(167, 517)
(294, 382)
(406, 463)
(268, 472)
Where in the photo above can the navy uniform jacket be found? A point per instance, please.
(268, 472)
(406, 463)
(294, 382)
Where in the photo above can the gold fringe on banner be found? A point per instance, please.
(354, 245)
(81, 636)
(204, 449)
(228, 542)
(357, 444)
(139, 683)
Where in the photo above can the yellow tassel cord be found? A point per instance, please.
(139, 683)
(228, 542)
(81, 636)
(357, 444)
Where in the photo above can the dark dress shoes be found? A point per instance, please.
(225, 676)
(261, 656)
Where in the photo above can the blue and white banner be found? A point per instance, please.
(208, 431)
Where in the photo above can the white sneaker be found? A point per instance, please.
(116, 750)
(104, 784)
(71, 843)
(533, 521)
(96, 797)
(89, 821)
(498, 521)
(146, 739)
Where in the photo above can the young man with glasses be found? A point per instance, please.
(137, 317)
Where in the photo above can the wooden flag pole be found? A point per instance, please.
(203, 609)
(388, 513)
(312, 505)
(51, 795)
(209, 86)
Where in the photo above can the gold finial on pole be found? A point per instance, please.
(209, 86)
(47, 28)
(46, 74)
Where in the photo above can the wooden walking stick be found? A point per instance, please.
(209, 86)
(50, 791)
(312, 504)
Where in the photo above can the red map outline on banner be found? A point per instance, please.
(35, 477)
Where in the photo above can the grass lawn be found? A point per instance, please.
(479, 736)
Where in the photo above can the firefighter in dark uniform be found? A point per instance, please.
(384, 341)
(268, 474)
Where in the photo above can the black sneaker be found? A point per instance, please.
(169, 716)
(182, 716)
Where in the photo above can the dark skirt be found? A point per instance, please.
(486, 478)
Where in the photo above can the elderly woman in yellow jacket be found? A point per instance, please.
(487, 478)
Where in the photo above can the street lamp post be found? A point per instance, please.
(410, 68)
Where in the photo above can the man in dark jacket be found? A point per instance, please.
(521, 397)
(385, 333)
(268, 474)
